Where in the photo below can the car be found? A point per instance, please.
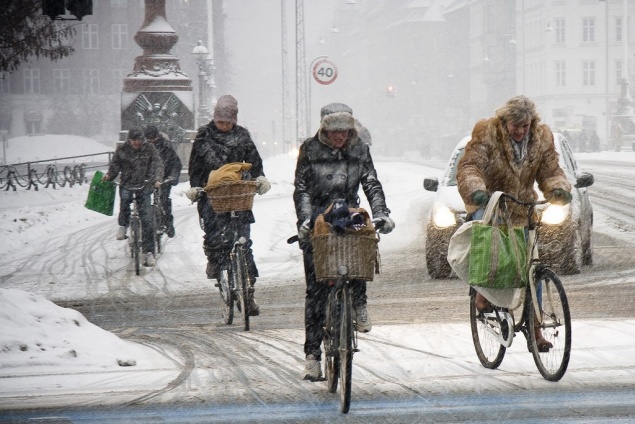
(566, 233)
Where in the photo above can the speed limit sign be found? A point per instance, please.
(324, 72)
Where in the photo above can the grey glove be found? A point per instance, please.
(193, 193)
(305, 230)
(263, 185)
(560, 197)
(385, 224)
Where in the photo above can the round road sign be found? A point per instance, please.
(324, 72)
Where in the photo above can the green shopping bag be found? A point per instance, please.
(498, 257)
(101, 196)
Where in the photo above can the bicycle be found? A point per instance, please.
(544, 306)
(135, 241)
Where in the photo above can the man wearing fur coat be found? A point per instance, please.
(332, 165)
(510, 152)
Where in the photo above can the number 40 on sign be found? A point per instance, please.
(324, 72)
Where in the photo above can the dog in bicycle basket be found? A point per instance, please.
(344, 236)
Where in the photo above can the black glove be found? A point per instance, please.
(480, 198)
(560, 197)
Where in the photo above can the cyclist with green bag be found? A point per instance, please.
(510, 152)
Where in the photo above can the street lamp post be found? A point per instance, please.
(201, 54)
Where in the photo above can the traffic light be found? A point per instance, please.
(391, 91)
(80, 8)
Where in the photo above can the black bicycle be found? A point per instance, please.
(135, 241)
(544, 306)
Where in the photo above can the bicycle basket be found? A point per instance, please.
(357, 252)
(230, 196)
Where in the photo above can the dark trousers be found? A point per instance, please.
(166, 205)
(315, 303)
(144, 206)
(216, 244)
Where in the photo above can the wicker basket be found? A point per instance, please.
(357, 253)
(232, 196)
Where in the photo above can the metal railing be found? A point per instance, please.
(51, 172)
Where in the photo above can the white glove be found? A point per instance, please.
(385, 224)
(304, 231)
(263, 185)
(193, 193)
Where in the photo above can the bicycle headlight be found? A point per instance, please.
(443, 217)
(555, 214)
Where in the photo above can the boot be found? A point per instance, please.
(543, 344)
(482, 304)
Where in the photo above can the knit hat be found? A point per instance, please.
(226, 109)
(338, 121)
(135, 134)
(151, 132)
(335, 107)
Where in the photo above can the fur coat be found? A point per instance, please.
(488, 164)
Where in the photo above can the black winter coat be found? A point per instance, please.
(213, 149)
(171, 162)
(136, 166)
(324, 174)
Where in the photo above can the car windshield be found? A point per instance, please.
(454, 164)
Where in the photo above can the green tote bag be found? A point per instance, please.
(101, 196)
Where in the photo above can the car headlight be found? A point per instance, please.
(555, 214)
(443, 217)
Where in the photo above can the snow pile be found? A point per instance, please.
(41, 147)
(36, 332)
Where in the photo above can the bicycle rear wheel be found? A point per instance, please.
(331, 337)
(241, 284)
(158, 231)
(346, 348)
(135, 245)
(555, 327)
(226, 297)
(484, 330)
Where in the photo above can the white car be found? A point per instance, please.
(565, 237)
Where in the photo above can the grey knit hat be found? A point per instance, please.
(338, 121)
(226, 109)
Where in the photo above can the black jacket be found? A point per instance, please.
(171, 162)
(213, 149)
(137, 167)
(324, 174)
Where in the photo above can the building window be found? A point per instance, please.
(90, 38)
(31, 81)
(588, 73)
(119, 36)
(561, 74)
(91, 81)
(618, 28)
(5, 86)
(559, 28)
(618, 71)
(61, 81)
(588, 30)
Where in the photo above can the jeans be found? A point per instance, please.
(315, 303)
(144, 207)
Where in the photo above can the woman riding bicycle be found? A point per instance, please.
(510, 152)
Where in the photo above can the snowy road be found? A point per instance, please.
(416, 364)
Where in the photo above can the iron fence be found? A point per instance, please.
(52, 172)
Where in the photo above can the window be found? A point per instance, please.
(618, 28)
(61, 81)
(31, 81)
(588, 30)
(559, 28)
(119, 36)
(91, 81)
(5, 86)
(618, 71)
(561, 73)
(588, 72)
(89, 36)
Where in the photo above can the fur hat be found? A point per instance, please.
(335, 107)
(338, 121)
(226, 109)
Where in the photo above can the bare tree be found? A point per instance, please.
(25, 33)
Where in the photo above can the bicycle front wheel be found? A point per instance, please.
(555, 327)
(241, 284)
(331, 338)
(484, 335)
(226, 297)
(346, 348)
